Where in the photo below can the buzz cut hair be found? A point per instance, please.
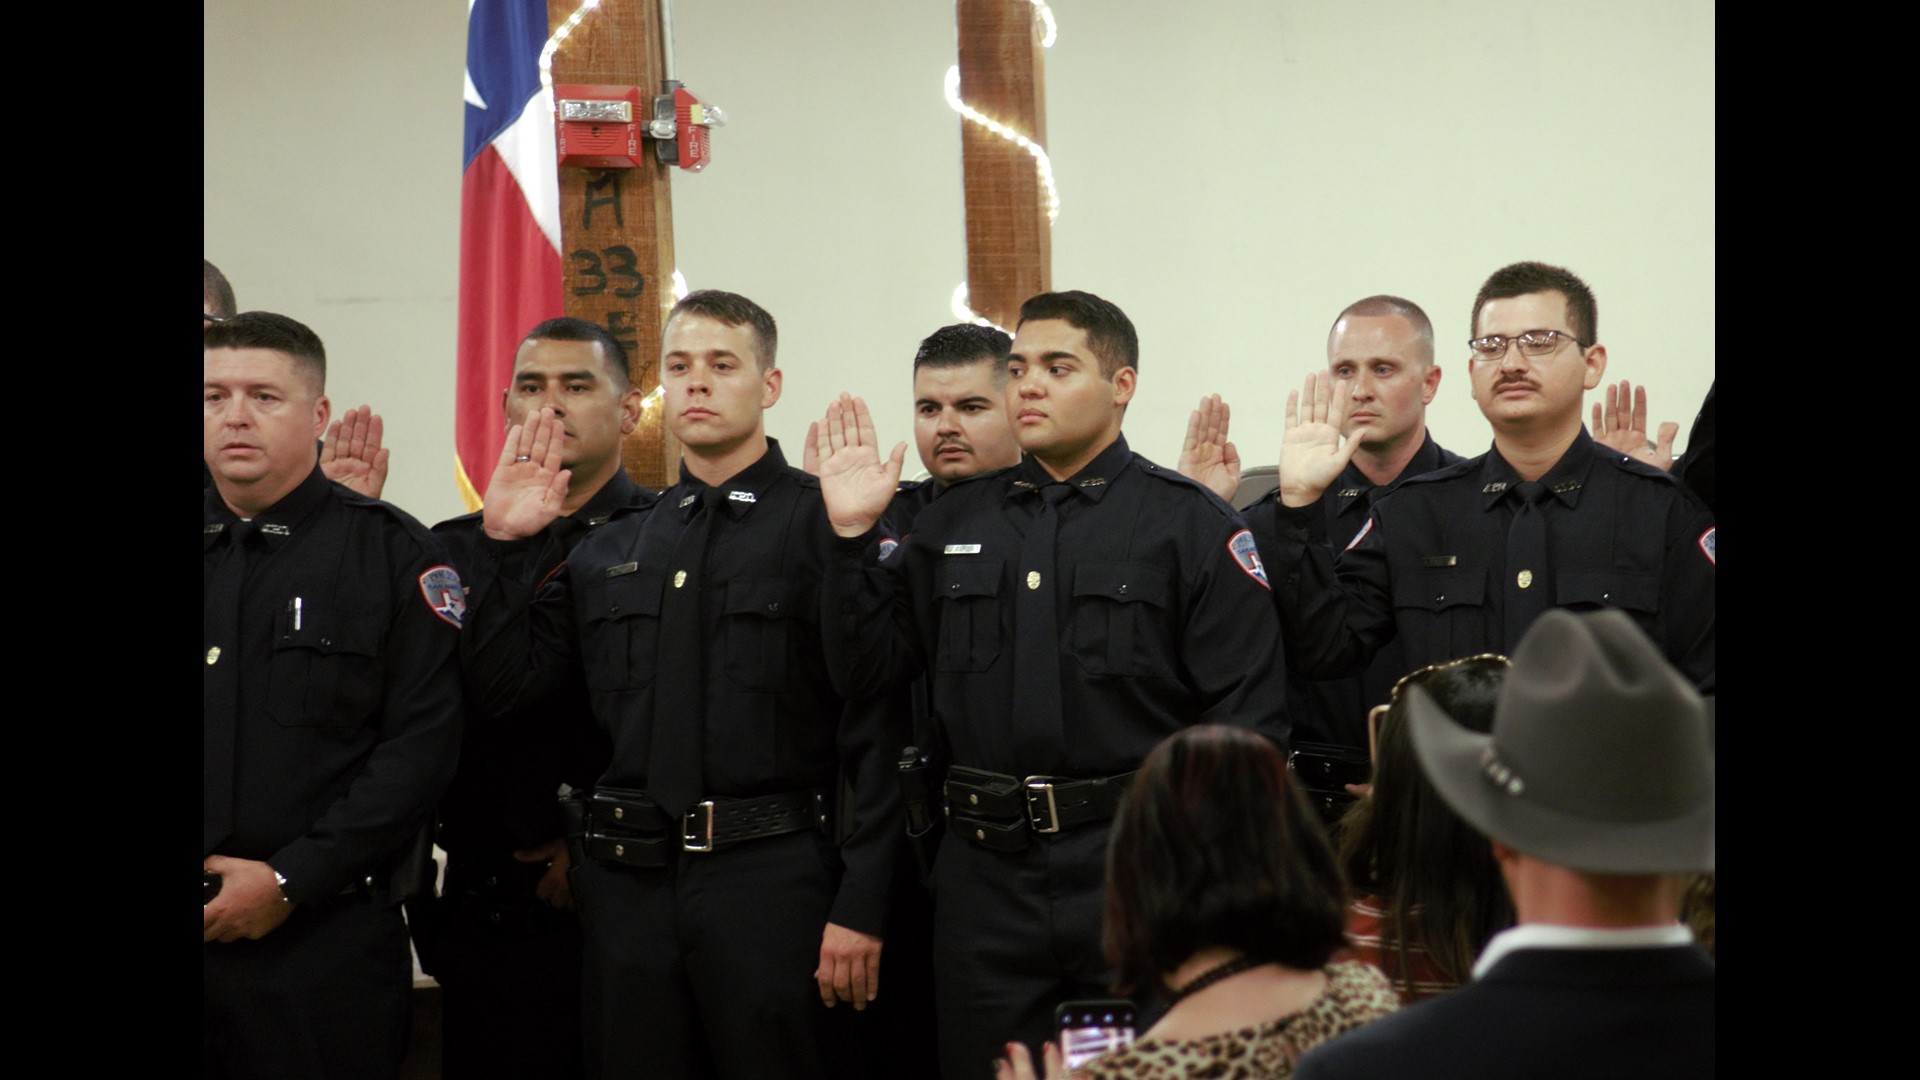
(1386, 306)
(216, 295)
(963, 345)
(1522, 278)
(267, 330)
(732, 309)
(612, 353)
(1109, 332)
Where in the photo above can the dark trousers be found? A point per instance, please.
(1014, 935)
(896, 1033)
(704, 969)
(326, 994)
(509, 971)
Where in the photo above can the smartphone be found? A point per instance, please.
(1086, 1029)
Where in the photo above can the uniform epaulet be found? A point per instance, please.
(460, 522)
(1179, 479)
(1444, 472)
(804, 478)
(905, 486)
(630, 509)
(978, 478)
(1627, 463)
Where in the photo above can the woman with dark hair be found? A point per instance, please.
(1428, 894)
(1223, 895)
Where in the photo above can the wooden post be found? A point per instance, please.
(1009, 238)
(616, 225)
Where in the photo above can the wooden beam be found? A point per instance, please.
(616, 225)
(1009, 239)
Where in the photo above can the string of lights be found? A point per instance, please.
(1042, 164)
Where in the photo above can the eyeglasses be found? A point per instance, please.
(1417, 676)
(1532, 343)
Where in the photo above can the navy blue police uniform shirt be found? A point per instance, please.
(1164, 615)
(1335, 710)
(774, 723)
(503, 797)
(348, 712)
(1430, 565)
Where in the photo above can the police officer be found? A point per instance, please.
(1072, 611)
(507, 949)
(1462, 560)
(331, 708)
(731, 891)
(1382, 347)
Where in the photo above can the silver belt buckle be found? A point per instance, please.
(693, 836)
(1037, 786)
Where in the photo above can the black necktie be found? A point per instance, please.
(679, 685)
(1039, 737)
(220, 690)
(1529, 586)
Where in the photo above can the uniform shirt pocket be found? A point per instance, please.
(757, 619)
(325, 669)
(1120, 619)
(967, 592)
(1591, 590)
(1441, 611)
(620, 630)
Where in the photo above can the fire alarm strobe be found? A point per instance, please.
(597, 126)
(600, 127)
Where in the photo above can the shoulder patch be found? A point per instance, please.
(1361, 535)
(441, 587)
(1706, 545)
(887, 546)
(1240, 545)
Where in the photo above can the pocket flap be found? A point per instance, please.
(326, 632)
(767, 597)
(1126, 582)
(963, 577)
(1438, 588)
(621, 597)
(1609, 588)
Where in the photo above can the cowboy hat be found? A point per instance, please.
(1599, 759)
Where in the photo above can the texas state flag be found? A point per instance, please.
(509, 223)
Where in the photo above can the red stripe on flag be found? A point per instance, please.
(510, 281)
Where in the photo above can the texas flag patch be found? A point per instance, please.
(444, 594)
(1706, 545)
(1243, 551)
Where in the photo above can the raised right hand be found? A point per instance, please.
(1311, 454)
(528, 487)
(855, 483)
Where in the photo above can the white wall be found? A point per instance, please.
(1232, 173)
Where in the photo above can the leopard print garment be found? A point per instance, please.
(1356, 993)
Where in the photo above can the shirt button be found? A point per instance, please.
(1123, 590)
(773, 607)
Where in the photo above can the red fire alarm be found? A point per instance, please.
(598, 126)
(683, 125)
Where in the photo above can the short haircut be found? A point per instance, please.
(732, 309)
(216, 296)
(568, 328)
(965, 344)
(1385, 306)
(1583, 315)
(1215, 846)
(1109, 332)
(266, 330)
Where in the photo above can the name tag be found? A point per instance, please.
(623, 568)
(962, 549)
(1439, 560)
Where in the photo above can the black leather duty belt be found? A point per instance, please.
(1002, 812)
(627, 828)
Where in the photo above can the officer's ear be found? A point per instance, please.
(771, 391)
(1124, 385)
(322, 412)
(1429, 384)
(631, 404)
(1596, 361)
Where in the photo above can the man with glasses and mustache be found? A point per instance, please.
(1464, 559)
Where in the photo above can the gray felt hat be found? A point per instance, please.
(1600, 758)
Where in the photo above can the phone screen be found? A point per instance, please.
(1091, 1028)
